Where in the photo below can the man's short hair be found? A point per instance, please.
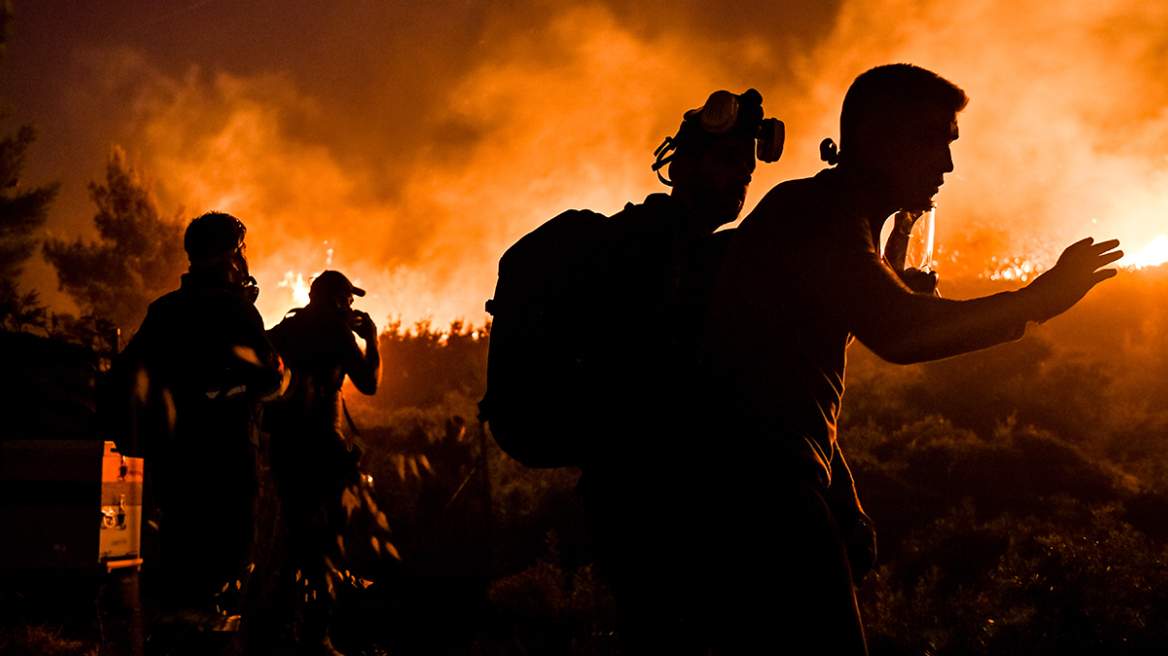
(212, 237)
(894, 96)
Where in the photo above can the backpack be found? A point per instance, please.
(560, 311)
(538, 401)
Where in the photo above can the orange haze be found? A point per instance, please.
(411, 160)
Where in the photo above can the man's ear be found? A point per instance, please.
(866, 140)
(681, 170)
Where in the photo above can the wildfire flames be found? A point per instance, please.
(1154, 254)
(411, 168)
(299, 287)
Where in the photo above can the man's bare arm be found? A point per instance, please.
(364, 369)
(904, 327)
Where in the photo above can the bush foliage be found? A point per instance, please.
(1019, 497)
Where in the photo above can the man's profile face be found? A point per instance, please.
(342, 304)
(723, 175)
(918, 159)
(241, 268)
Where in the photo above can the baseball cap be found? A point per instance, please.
(333, 283)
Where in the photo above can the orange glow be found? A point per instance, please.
(1153, 254)
(1015, 269)
(424, 236)
(416, 195)
(299, 287)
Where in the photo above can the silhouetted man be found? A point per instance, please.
(802, 277)
(612, 373)
(311, 460)
(201, 366)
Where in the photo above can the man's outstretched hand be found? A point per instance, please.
(1078, 269)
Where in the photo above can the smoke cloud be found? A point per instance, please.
(566, 115)
(410, 148)
(1065, 133)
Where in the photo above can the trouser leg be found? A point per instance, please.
(783, 579)
(655, 573)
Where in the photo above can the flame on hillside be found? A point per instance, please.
(298, 286)
(1021, 269)
(1154, 254)
(1016, 268)
(564, 110)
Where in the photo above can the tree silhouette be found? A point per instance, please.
(138, 257)
(23, 211)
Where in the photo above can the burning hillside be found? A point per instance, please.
(411, 164)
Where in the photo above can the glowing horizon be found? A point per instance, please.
(411, 166)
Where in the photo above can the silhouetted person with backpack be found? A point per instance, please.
(311, 460)
(802, 277)
(194, 377)
(593, 362)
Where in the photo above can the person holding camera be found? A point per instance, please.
(311, 460)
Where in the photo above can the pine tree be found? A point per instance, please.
(138, 257)
(23, 210)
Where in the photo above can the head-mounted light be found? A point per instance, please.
(725, 113)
